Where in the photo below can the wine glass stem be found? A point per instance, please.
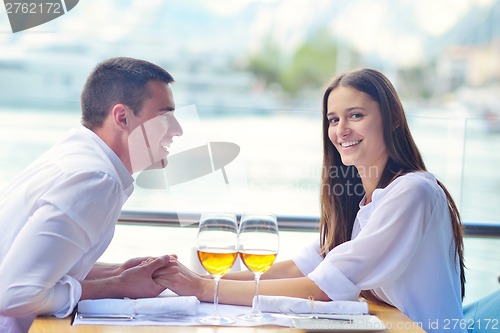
(256, 303)
(216, 296)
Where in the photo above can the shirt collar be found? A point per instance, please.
(125, 177)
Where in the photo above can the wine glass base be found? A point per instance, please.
(215, 320)
(256, 317)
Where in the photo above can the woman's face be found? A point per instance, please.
(355, 129)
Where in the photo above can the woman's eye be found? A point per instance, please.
(356, 116)
(333, 120)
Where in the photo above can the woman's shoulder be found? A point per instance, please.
(417, 177)
(415, 184)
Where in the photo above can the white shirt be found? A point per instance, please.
(402, 247)
(56, 219)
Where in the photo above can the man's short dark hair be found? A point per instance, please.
(118, 80)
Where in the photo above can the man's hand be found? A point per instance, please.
(105, 270)
(138, 262)
(135, 280)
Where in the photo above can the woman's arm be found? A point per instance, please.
(279, 270)
(184, 282)
(243, 292)
(282, 270)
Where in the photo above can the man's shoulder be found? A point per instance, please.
(79, 152)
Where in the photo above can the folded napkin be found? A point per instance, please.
(182, 305)
(283, 304)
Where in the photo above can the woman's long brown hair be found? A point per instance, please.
(340, 184)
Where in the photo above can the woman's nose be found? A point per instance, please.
(342, 129)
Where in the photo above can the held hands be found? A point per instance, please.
(132, 279)
(145, 277)
(137, 280)
(136, 276)
(140, 261)
(181, 280)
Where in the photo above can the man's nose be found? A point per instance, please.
(176, 128)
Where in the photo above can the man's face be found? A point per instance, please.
(153, 129)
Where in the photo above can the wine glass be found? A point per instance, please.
(258, 243)
(217, 250)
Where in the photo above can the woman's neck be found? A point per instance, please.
(370, 177)
(369, 184)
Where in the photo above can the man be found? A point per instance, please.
(58, 216)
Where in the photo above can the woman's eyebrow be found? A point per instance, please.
(355, 108)
(331, 113)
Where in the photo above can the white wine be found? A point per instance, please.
(217, 261)
(258, 261)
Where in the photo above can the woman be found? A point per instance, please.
(389, 230)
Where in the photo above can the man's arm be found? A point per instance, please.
(103, 270)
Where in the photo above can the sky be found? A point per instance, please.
(392, 30)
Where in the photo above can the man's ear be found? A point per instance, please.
(120, 115)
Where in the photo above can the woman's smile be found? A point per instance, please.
(350, 144)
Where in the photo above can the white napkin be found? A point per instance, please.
(182, 305)
(283, 304)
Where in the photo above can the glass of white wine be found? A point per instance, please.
(258, 243)
(217, 250)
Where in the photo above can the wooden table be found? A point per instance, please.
(394, 319)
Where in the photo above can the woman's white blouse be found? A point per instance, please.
(402, 248)
(56, 219)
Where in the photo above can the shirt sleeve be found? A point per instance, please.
(384, 247)
(308, 258)
(38, 272)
